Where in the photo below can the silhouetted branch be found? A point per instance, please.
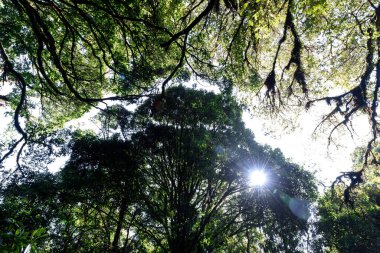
(179, 64)
(8, 67)
(350, 102)
(299, 75)
(4, 98)
(10, 150)
(355, 178)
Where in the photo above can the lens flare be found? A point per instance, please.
(257, 178)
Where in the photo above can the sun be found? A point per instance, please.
(257, 178)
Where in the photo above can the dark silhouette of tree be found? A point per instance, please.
(174, 180)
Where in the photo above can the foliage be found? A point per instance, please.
(63, 57)
(174, 181)
(14, 238)
(354, 226)
(59, 59)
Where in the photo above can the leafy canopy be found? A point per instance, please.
(63, 57)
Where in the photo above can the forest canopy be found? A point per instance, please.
(61, 58)
(168, 170)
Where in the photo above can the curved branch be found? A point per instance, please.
(180, 63)
(186, 31)
(11, 150)
(8, 66)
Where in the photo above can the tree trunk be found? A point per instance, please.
(123, 209)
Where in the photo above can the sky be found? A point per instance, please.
(310, 149)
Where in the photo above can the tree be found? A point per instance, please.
(198, 156)
(352, 226)
(99, 186)
(174, 180)
(65, 56)
(24, 216)
(85, 206)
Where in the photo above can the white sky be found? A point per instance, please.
(311, 150)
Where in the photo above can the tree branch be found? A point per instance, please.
(4, 98)
(8, 66)
(186, 31)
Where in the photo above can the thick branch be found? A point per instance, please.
(355, 178)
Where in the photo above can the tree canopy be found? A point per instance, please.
(63, 57)
(170, 175)
(175, 180)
